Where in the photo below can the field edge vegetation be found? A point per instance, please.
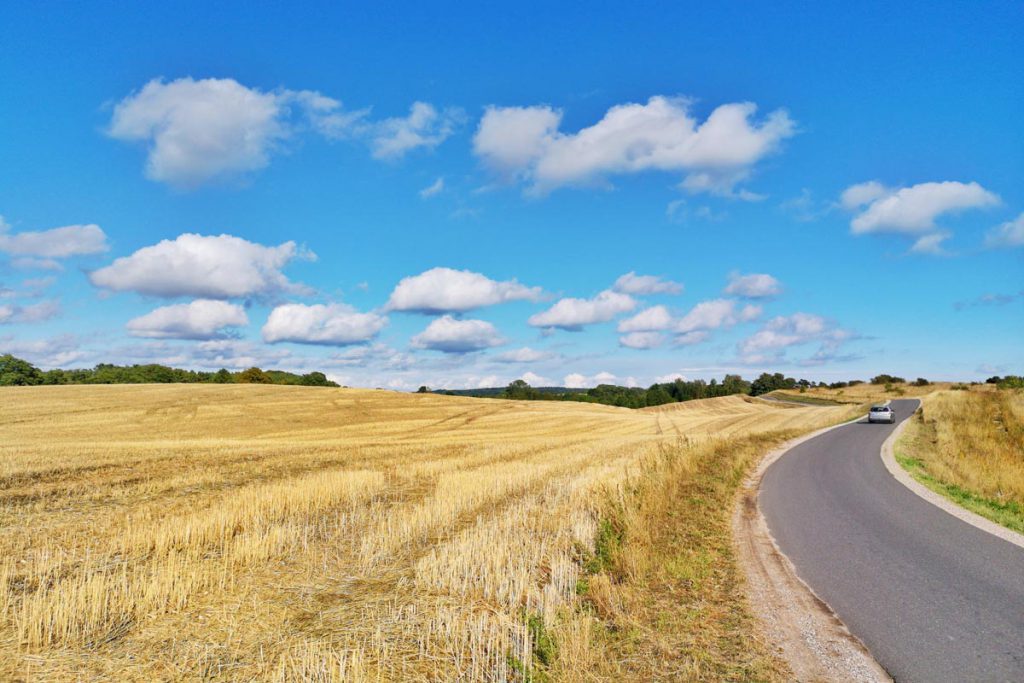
(968, 446)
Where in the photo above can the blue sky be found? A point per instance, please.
(452, 195)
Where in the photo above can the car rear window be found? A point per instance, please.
(880, 409)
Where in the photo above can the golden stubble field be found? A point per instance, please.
(245, 532)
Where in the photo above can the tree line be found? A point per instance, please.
(18, 372)
(657, 394)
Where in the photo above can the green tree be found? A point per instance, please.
(316, 379)
(222, 376)
(254, 376)
(657, 396)
(18, 372)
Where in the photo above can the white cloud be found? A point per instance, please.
(753, 286)
(856, 196)
(535, 380)
(524, 355)
(423, 127)
(648, 320)
(27, 263)
(1007, 235)
(910, 210)
(931, 243)
(510, 139)
(691, 338)
(323, 324)
(715, 314)
(642, 340)
(33, 313)
(213, 267)
(210, 129)
(200, 319)
(577, 381)
(434, 188)
(55, 352)
(640, 285)
(573, 314)
(661, 135)
(669, 378)
(457, 336)
(770, 342)
(216, 129)
(56, 243)
(441, 290)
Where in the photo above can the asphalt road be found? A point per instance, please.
(932, 597)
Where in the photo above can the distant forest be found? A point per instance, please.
(17, 372)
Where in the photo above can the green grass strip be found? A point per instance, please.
(1008, 514)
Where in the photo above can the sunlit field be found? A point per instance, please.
(245, 532)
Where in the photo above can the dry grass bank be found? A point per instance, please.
(291, 533)
(969, 446)
(864, 393)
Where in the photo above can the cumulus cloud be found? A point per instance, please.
(691, 338)
(55, 352)
(201, 319)
(434, 188)
(424, 127)
(912, 210)
(450, 335)
(535, 380)
(715, 314)
(210, 267)
(753, 286)
(778, 334)
(1007, 235)
(642, 340)
(661, 135)
(441, 290)
(40, 250)
(931, 243)
(669, 378)
(209, 129)
(641, 285)
(216, 129)
(524, 355)
(648, 320)
(577, 381)
(573, 314)
(322, 324)
(33, 313)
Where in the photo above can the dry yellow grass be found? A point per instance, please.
(969, 445)
(288, 533)
(865, 393)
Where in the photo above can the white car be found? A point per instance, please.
(882, 414)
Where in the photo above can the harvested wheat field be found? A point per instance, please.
(245, 532)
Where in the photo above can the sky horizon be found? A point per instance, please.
(569, 196)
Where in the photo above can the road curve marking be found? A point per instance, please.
(937, 499)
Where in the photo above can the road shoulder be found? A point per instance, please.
(809, 636)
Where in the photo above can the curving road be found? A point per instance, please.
(932, 597)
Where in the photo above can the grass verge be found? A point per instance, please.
(969, 447)
(663, 584)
